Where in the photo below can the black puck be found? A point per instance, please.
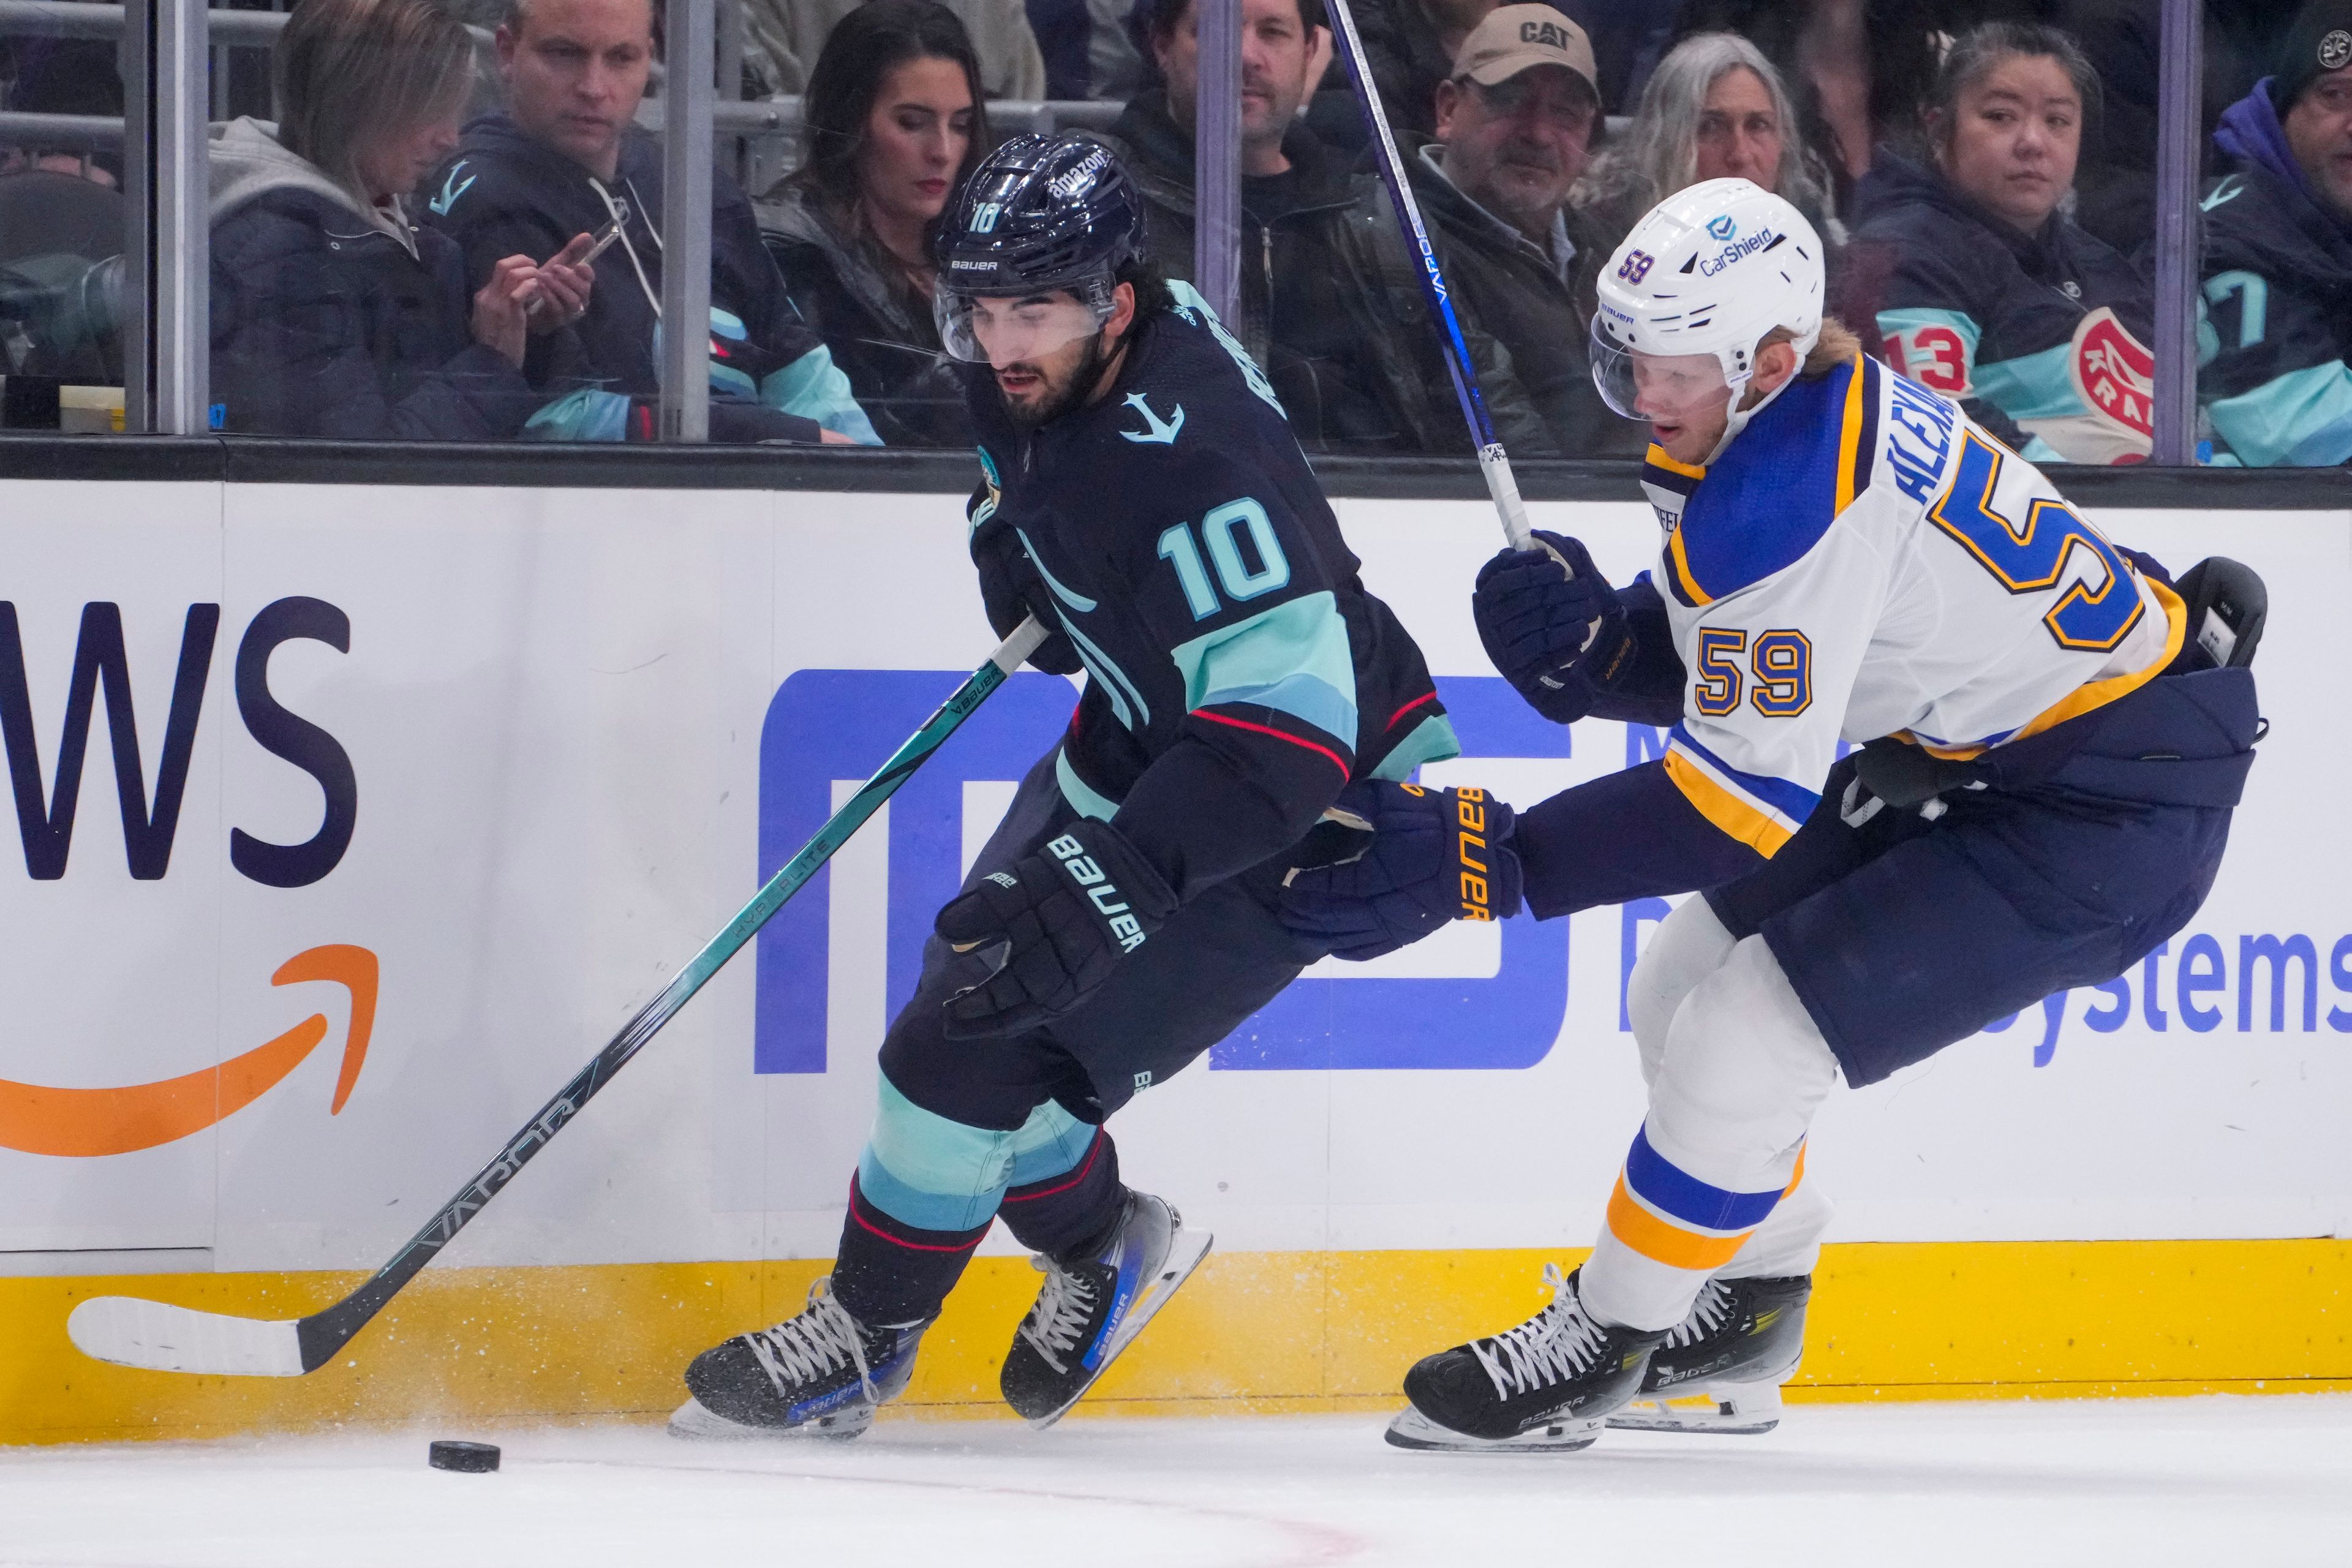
(474, 1458)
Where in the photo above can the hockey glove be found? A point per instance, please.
(1050, 930)
(1432, 855)
(1010, 589)
(1557, 637)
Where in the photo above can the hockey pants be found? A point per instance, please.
(1874, 940)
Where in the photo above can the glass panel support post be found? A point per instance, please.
(2179, 143)
(688, 93)
(1217, 158)
(168, 281)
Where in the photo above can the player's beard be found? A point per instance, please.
(1059, 401)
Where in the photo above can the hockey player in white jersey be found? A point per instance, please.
(2056, 735)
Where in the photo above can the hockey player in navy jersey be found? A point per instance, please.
(2056, 733)
(1143, 495)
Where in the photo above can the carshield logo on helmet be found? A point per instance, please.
(1722, 227)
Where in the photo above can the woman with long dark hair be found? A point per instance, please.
(332, 312)
(893, 123)
(1980, 284)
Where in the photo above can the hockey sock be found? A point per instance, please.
(1744, 1069)
(889, 1271)
(1071, 1214)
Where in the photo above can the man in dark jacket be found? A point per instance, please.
(566, 160)
(2278, 257)
(1330, 303)
(1514, 126)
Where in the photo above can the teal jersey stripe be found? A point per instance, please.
(1432, 740)
(1085, 801)
(1106, 670)
(2301, 419)
(1076, 600)
(1294, 657)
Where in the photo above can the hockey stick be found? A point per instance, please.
(130, 1331)
(1492, 460)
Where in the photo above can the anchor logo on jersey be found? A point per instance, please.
(1155, 428)
(451, 190)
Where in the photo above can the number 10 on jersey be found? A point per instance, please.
(1221, 530)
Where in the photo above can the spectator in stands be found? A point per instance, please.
(892, 125)
(1515, 124)
(1714, 109)
(2278, 257)
(332, 314)
(1090, 48)
(1330, 305)
(565, 159)
(1983, 288)
(1858, 71)
(787, 37)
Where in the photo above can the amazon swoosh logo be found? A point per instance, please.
(84, 1122)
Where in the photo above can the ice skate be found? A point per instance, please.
(1091, 1307)
(820, 1373)
(1720, 1369)
(1545, 1386)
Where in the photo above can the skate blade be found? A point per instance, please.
(1412, 1430)
(1729, 1410)
(1185, 1250)
(697, 1423)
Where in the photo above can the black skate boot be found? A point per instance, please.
(1720, 1369)
(1091, 1307)
(1545, 1386)
(820, 1373)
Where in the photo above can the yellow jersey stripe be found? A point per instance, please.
(1727, 811)
(1850, 434)
(2099, 693)
(1657, 455)
(1696, 595)
(1662, 1241)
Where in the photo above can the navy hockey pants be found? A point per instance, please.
(2089, 845)
(969, 1130)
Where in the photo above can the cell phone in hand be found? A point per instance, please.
(608, 234)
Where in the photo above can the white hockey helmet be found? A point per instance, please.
(1709, 270)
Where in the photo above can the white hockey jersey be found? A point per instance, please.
(1863, 561)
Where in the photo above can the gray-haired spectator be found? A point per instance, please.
(1715, 109)
(1515, 128)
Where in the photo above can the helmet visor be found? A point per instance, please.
(1657, 389)
(1007, 329)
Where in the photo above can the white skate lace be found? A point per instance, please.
(1063, 1306)
(1710, 1311)
(1554, 1345)
(803, 1349)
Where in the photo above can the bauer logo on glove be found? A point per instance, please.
(1428, 857)
(1052, 931)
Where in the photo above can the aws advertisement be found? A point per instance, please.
(349, 822)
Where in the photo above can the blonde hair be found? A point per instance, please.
(350, 72)
(1836, 346)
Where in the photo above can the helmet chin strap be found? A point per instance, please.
(1735, 418)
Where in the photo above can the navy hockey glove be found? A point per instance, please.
(1010, 589)
(1556, 639)
(1431, 856)
(1051, 929)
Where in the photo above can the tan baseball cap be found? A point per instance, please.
(1514, 38)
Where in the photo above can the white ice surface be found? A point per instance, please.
(2137, 1482)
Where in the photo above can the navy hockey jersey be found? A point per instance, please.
(1238, 673)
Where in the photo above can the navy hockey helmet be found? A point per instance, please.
(1040, 215)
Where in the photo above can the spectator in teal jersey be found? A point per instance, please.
(2278, 259)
